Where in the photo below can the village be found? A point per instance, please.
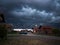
(45, 30)
(36, 30)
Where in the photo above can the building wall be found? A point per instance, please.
(46, 29)
(43, 30)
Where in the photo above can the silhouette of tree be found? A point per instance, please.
(2, 20)
(3, 30)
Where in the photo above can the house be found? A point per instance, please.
(43, 29)
(46, 29)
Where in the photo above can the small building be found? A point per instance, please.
(46, 30)
(42, 29)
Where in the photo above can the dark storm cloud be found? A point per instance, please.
(41, 16)
(48, 5)
(29, 12)
(39, 4)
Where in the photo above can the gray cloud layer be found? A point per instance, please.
(29, 12)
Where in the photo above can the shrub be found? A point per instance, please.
(3, 32)
(56, 32)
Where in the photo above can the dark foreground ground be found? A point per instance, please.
(30, 39)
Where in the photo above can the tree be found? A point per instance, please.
(2, 20)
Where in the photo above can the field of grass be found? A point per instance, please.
(22, 42)
(29, 41)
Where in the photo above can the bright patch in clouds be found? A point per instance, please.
(57, 4)
(55, 19)
(28, 11)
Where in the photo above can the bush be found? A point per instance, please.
(3, 32)
(56, 32)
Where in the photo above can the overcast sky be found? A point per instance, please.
(27, 13)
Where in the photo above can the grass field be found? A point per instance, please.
(26, 40)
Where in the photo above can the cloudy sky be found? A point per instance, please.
(27, 13)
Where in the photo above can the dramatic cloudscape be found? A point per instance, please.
(27, 13)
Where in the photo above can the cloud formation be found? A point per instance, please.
(29, 12)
